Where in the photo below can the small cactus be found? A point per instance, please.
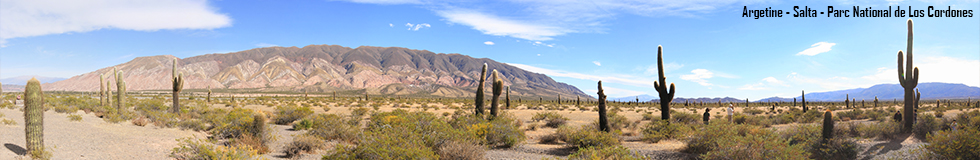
(478, 101)
(828, 125)
(603, 120)
(34, 117)
(497, 87)
(665, 95)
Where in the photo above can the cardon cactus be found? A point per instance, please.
(108, 93)
(507, 98)
(847, 101)
(707, 116)
(478, 101)
(876, 101)
(177, 80)
(121, 95)
(803, 101)
(34, 117)
(603, 120)
(101, 89)
(665, 95)
(209, 94)
(828, 125)
(908, 78)
(497, 86)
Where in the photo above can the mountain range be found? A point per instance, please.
(325, 68)
(930, 91)
(22, 80)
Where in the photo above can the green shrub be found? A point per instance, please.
(611, 152)
(193, 124)
(686, 118)
(586, 136)
(201, 150)
(755, 146)
(74, 117)
(835, 148)
(648, 116)
(925, 125)
(288, 114)
(400, 134)
(552, 119)
(880, 130)
(960, 144)
(660, 130)
(331, 127)
(854, 114)
(303, 144)
(753, 111)
(504, 132)
(706, 138)
(303, 125)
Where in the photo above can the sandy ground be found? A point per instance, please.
(91, 138)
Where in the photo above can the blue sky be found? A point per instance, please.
(709, 49)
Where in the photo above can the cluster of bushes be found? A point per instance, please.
(400, 134)
(739, 141)
(552, 119)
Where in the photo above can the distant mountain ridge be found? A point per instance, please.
(930, 91)
(22, 80)
(323, 68)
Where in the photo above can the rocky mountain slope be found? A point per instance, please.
(325, 68)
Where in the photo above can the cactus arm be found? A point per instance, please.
(670, 94)
(901, 71)
(915, 77)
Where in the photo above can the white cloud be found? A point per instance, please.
(620, 79)
(700, 76)
(493, 25)
(597, 63)
(934, 69)
(817, 48)
(391, 25)
(764, 84)
(488, 43)
(416, 27)
(545, 20)
(539, 43)
(43, 17)
(265, 45)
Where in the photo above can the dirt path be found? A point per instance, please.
(91, 138)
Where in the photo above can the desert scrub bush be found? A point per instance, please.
(400, 134)
(755, 146)
(193, 124)
(706, 138)
(686, 118)
(288, 114)
(925, 125)
(655, 131)
(303, 144)
(753, 111)
(648, 116)
(303, 124)
(880, 130)
(552, 119)
(586, 136)
(960, 144)
(244, 127)
(331, 127)
(202, 150)
(835, 148)
(74, 117)
(504, 132)
(854, 114)
(810, 116)
(140, 121)
(612, 152)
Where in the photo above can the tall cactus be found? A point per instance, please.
(908, 78)
(497, 86)
(876, 102)
(665, 95)
(507, 98)
(102, 89)
(34, 117)
(108, 93)
(603, 120)
(828, 125)
(478, 101)
(847, 102)
(178, 85)
(121, 89)
(803, 101)
(209, 94)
